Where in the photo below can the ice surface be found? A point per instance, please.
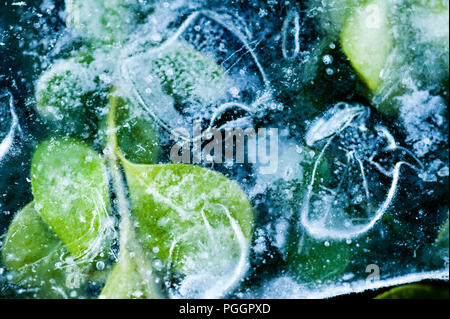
(288, 288)
(357, 175)
(424, 119)
(240, 81)
(9, 123)
(359, 200)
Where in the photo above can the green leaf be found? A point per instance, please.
(416, 291)
(313, 261)
(193, 219)
(367, 42)
(335, 13)
(188, 75)
(127, 282)
(442, 244)
(443, 236)
(103, 21)
(429, 22)
(69, 95)
(70, 187)
(137, 133)
(378, 37)
(184, 223)
(35, 255)
(124, 282)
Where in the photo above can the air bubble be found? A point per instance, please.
(327, 59)
(100, 265)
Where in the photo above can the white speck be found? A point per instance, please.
(234, 91)
(327, 59)
(100, 265)
(262, 13)
(443, 172)
(158, 264)
(170, 72)
(156, 37)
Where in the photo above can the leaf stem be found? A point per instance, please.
(129, 244)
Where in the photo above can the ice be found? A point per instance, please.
(359, 197)
(288, 288)
(241, 84)
(291, 156)
(424, 119)
(336, 120)
(209, 284)
(9, 124)
(358, 174)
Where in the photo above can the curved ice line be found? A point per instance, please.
(394, 146)
(363, 174)
(294, 16)
(172, 248)
(228, 106)
(241, 267)
(207, 225)
(241, 37)
(6, 143)
(105, 231)
(319, 232)
(383, 131)
(60, 291)
(325, 233)
(361, 286)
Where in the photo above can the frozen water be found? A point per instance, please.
(240, 81)
(9, 123)
(362, 176)
(357, 175)
(424, 119)
(288, 288)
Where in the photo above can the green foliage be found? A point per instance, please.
(377, 37)
(137, 133)
(53, 243)
(70, 188)
(186, 215)
(366, 40)
(70, 96)
(312, 261)
(188, 75)
(35, 255)
(441, 245)
(104, 21)
(416, 291)
(127, 282)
